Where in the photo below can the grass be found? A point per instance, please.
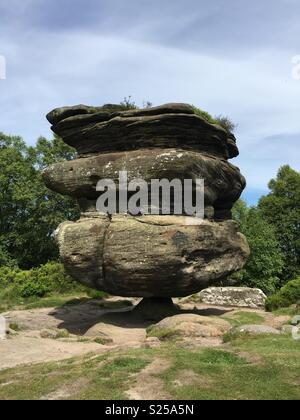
(164, 334)
(291, 311)
(245, 367)
(244, 318)
(230, 376)
(62, 334)
(102, 340)
(104, 378)
(234, 335)
(54, 301)
(205, 115)
(218, 373)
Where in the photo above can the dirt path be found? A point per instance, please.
(82, 321)
(28, 348)
(67, 390)
(147, 386)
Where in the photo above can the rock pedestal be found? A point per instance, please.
(150, 256)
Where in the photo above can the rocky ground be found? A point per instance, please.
(100, 326)
(102, 349)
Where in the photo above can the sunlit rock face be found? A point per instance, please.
(147, 255)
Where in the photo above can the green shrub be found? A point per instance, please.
(205, 115)
(221, 120)
(7, 276)
(30, 283)
(287, 296)
(57, 280)
(96, 294)
(37, 282)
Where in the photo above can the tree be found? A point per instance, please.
(29, 212)
(46, 152)
(281, 208)
(266, 261)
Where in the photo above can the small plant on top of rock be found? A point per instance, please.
(220, 120)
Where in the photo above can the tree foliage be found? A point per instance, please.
(266, 260)
(281, 208)
(29, 212)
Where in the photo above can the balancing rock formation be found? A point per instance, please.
(147, 256)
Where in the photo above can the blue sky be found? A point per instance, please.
(232, 58)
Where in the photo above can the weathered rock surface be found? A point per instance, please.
(82, 247)
(150, 256)
(256, 329)
(190, 325)
(243, 297)
(152, 343)
(105, 129)
(78, 178)
(287, 329)
(296, 320)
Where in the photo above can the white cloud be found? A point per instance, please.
(46, 69)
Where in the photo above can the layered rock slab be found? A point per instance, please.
(104, 129)
(78, 178)
(150, 256)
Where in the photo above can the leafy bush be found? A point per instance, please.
(37, 282)
(287, 296)
(30, 283)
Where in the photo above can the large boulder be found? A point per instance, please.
(82, 248)
(243, 297)
(105, 129)
(150, 256)
(191, 325)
